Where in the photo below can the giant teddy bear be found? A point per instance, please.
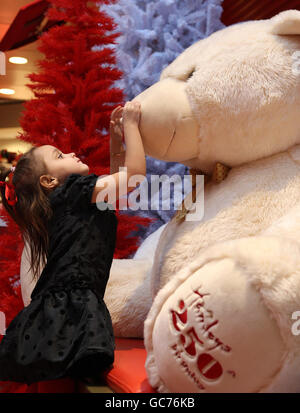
(217, 299)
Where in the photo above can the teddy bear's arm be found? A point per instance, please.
(128, 295)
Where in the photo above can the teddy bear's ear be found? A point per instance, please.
(286, 23)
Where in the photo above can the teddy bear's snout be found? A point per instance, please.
(168, 128)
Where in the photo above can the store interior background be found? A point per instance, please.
(15, 79)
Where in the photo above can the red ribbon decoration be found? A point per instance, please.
(10, 194)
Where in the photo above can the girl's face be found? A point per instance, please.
(59, 165)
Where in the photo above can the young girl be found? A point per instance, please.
(66, 330)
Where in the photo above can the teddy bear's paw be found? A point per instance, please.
(211, 332)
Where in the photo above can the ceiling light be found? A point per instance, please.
(7, 91)
(18, 60)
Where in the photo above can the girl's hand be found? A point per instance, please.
(117, 149)
(115, 126)
(131, 113)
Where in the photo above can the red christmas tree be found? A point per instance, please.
(11, 303)
(75, 94)
(74, 97)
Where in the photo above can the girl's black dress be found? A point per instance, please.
(66, 330)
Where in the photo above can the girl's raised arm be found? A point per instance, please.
(116, 185)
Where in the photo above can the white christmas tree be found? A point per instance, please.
(154, 33)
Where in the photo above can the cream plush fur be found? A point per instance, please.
(232, 98)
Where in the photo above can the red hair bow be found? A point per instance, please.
(10, 193)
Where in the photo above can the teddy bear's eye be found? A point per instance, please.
(190, 74)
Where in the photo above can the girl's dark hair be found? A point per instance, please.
(32, 211)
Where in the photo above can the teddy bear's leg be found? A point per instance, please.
(224, 323)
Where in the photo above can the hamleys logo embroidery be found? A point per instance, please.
(195, 342)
